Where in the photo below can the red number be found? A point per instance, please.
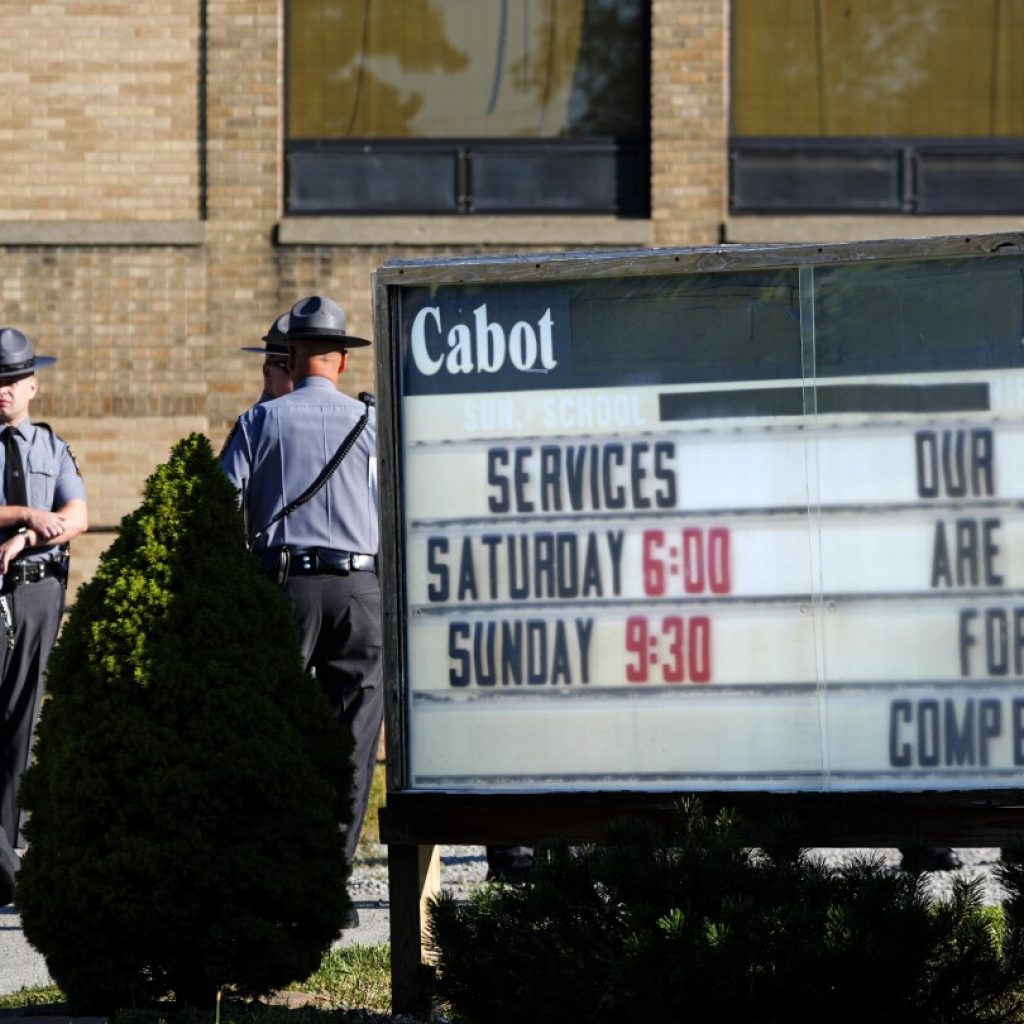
(637, 643)
(673, 669)
(686, 648)
(718, 560)
(693, 561)
(705, 560)
(699, 649)
(653, 564)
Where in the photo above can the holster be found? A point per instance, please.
(64, 563)
(274, 564)
(284, 561)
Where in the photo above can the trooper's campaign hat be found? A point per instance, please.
(276, 345)
(318, 318)
(17, 357)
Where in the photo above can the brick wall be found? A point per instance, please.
(127, 326)
(689, 121)
(99, 114)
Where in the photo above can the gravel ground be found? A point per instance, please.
(464, 867)
(978, 863)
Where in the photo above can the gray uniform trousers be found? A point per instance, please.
(339, 620)
(36, 609)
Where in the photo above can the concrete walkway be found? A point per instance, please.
(21, 966)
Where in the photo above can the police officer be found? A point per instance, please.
(276, 379)
(43, 508)
(320, 542)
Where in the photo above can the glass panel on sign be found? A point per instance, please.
(920, 448)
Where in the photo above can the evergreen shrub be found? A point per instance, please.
(698, 927)
(189, 781)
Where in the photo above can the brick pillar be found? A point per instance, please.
(689, 115)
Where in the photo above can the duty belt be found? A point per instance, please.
(287, 561)
(32, 572)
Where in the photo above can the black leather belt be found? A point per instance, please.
(32, 572)
(286, 561)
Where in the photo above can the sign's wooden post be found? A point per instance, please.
(414, 877)
(745, 522)
(429, 861)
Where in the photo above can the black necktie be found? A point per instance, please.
(15, 491)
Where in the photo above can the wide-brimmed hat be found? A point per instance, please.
(17, 357)
(276, 345)
(319, 318)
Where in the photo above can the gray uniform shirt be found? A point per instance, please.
(51, 476)
(279, 449)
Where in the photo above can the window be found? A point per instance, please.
(467, 106)
(901, 106)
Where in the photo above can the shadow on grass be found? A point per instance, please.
(232, 1012)
(351, 986)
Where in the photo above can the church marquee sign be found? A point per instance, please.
(733, 519)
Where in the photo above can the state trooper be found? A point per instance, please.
(43, 509)
(276, 379)
(306, 467)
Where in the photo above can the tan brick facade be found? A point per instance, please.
(99, 119)
(141, 231)
(689, 121)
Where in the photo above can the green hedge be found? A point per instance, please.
(189, 780)
(698, 927)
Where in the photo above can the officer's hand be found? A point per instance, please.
(10, 549)
(46, 524)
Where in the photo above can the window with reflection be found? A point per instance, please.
(467, 106)
(913, 106)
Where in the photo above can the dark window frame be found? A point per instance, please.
(617, 172)
(911, 176)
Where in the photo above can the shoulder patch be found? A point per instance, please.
(71, 456)
(227, 440)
